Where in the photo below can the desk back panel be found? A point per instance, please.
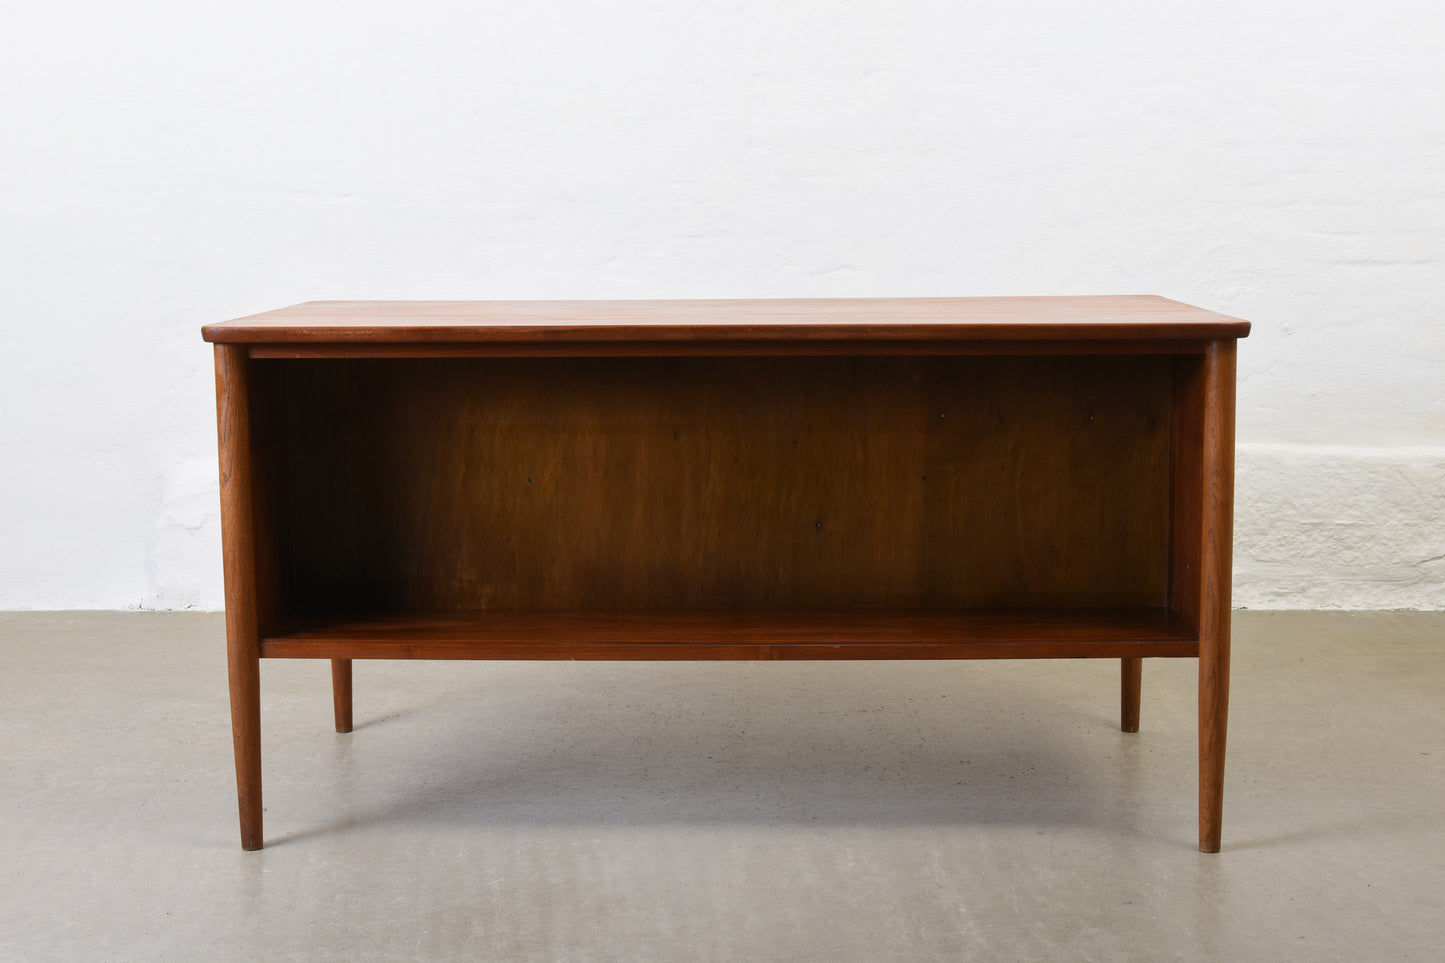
(732, 484)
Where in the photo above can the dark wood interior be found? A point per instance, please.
(735, 485)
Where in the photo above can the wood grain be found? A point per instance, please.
(341, 693)
(917, 478)
(1131, 684)
(729, 484)
(270, 490)
(855, 319)
(716, 348)
(238, 550)
(1186, 486)
(1215, 583)
(987, 634)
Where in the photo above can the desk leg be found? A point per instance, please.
(1131, 679)
(1214, 607)
(246, 738)
(341, 693)
(238, 550)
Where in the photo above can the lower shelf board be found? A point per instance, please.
(980, 634)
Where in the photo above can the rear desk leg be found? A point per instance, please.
(239, 557)
(1131, 679)
(1214, 603)
(341, 693)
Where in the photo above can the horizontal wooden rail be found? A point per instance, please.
(1112, 633)
(712, 349)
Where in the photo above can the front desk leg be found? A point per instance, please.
(238, 548)
(1213, 720)
(1217, 572)
(245, 673)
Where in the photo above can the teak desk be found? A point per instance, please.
(929, 478)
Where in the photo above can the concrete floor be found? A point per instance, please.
(721, 811)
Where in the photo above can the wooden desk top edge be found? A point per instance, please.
(1087, 318)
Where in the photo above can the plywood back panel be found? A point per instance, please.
(802, 483)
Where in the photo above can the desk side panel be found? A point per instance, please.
(270, 492)
(1187, 486)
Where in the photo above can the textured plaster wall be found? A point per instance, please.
(1322, 526)
(167, 164)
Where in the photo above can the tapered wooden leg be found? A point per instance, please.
(1213, 719)
(238, 555)
(246, 738)
(1131, 679)
(341, 693)
(1217, 568)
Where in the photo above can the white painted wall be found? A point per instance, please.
(169, 163)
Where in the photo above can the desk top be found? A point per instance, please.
(1084, 318)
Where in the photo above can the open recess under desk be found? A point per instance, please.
(936, 478)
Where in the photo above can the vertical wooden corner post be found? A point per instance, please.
(1217, 552)
(239, 556)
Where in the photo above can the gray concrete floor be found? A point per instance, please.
(721, 811)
